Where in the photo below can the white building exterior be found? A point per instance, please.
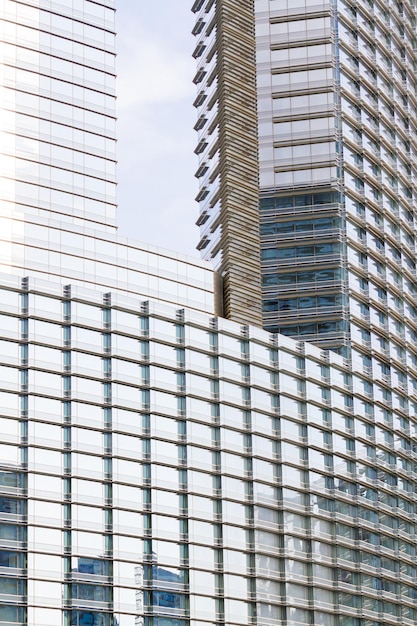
(160, 465)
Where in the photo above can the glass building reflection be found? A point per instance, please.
(161, 465)
(195, 468)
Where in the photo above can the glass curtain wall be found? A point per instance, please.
(162, 466)
(57, 127)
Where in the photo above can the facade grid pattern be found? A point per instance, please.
(337, 116)
(162, 466)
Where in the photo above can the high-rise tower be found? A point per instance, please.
(57, 122)
(337, 119)
(160, 465)
(57, 158)
(302, 215)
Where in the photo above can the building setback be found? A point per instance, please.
(159, 464)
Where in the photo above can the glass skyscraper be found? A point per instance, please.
(161, 465)
(336, 103)
(337, 124)
(336, 97)
(58, 81)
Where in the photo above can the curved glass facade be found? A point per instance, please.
(163, 466)
(159, 465)
(336, 130)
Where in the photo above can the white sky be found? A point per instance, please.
(156, 139)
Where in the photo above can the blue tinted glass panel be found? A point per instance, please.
(12, 614)
(11, 559)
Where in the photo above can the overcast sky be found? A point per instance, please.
(156, 139)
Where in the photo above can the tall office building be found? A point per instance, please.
(337, 121)
(337, 118)
(337, 124)
(160, 465)
(57, 174)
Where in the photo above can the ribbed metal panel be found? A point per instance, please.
(235, 233)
